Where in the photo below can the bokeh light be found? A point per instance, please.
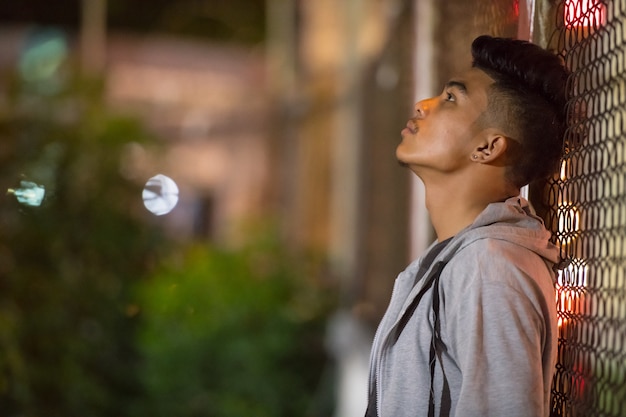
(29, 193)
(160, 194)
(42, 58)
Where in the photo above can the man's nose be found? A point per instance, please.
(422, 108)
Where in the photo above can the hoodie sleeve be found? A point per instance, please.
(495, 325)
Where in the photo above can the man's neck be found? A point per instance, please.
(456, 204)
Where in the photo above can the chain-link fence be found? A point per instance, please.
(586, 202)
(587, 212)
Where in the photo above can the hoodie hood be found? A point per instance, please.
(513, 220)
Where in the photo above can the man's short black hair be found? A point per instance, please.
(527, 100)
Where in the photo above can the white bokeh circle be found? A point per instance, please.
(160, 194)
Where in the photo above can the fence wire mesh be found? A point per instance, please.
(588, 212)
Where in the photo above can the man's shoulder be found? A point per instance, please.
(493, 260)
(491, 248)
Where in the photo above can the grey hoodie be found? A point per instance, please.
(497, 315)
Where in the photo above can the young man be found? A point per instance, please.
(471, 328)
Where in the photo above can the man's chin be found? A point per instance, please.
(400, 159)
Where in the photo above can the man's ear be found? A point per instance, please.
(491, 149)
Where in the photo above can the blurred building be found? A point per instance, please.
(208, 105)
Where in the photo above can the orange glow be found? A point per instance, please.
(569, 289)
(565, 302)
(584, 13)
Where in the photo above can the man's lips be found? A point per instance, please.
(410, 125)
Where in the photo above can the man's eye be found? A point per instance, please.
(449, 97)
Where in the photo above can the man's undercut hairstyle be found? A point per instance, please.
(527, 100)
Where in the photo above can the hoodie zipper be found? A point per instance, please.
(375, 362)
(377, 358)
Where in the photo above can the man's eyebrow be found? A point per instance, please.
(459, 85)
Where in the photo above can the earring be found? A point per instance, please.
(474, 156)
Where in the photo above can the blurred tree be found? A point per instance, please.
(67, 318)
(237, 21)
(223, 333)
(234, 333)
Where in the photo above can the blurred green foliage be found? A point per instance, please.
(66, 267)
(236, 21)
(233, 333)
(96, 321)
(232, 21)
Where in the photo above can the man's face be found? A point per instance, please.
(447, 128)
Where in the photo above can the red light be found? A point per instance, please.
(584, 13)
